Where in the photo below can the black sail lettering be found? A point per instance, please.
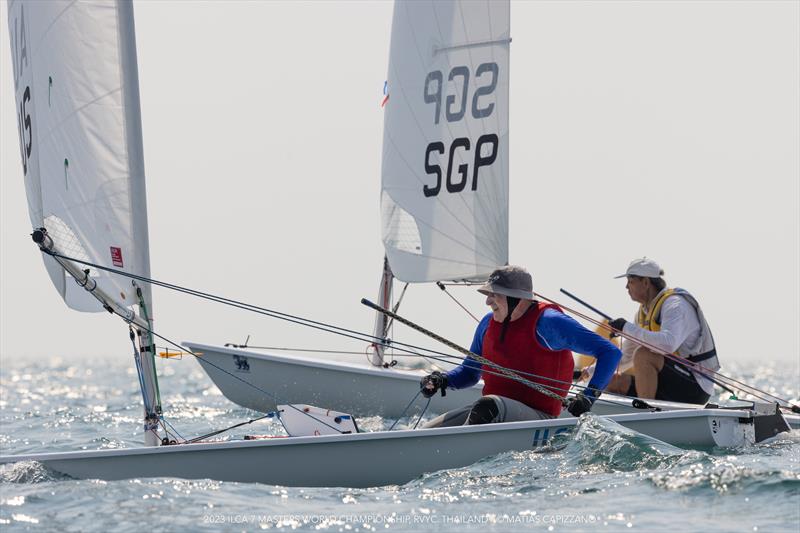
(478, 112)
(481, 161)
(455, 116)
(461, 142)
(433, 169)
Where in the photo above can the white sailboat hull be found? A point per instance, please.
(379, 458)
(612, 404)
(358, 389)
(361, 390)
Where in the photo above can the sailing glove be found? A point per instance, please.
(433, 382)
(580, 404)
(617, 324)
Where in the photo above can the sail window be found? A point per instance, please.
(65, 239)
(400, 230)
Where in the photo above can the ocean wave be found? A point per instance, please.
(724, 475)
(602, 445)
(29, 472)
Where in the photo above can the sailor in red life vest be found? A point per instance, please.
(532, 338)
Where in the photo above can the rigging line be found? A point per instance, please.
(540, 387)
(150, 342)
(240, 424)
(504, 372)
(493, 365)
(718, 379)
(169, 436)
(693, 366)
(234, 303)
(608, 319)
(172, 428)
(255, 309)
(453, 359)
(248, 307)
(271, 395)
(296, 349)
(553, 387)
(441, 286)
(422, 413)
(139, 371)
(328, 328)
(508, 373)
(406, 409)
(440, 359)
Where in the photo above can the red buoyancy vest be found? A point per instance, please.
(521, 351)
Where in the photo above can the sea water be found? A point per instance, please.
(600, 478)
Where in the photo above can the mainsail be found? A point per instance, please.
(77, 93)
(444, 199)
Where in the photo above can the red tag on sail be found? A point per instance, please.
(116, 256)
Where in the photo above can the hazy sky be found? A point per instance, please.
(666, 129)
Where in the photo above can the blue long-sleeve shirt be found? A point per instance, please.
(555, 331)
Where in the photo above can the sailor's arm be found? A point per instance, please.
(557, 331)
(678, 320)
(628, 349)
(468, 373)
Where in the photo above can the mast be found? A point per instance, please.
(146, 365)
(381, 330)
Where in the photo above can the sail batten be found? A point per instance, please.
(444, 200)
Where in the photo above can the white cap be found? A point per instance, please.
(644, 268)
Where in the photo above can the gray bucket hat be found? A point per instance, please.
(511, 281)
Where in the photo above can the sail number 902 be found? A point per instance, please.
(455, 108)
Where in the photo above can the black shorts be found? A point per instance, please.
(675, 384)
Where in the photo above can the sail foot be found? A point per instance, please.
(82, 278)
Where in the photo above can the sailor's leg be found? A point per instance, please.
(620, 383)
(485, 411)
(493, 408)
(515, 411)
(456, 417)
(646, 366)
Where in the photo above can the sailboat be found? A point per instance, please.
(444, 209)
(81, 149)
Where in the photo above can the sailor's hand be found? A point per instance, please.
(580, 404)
(617, 324)
(433, 382)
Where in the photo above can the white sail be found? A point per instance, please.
(444, 200)
(79, 122)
